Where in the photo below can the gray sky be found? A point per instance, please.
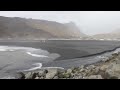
(90, 22)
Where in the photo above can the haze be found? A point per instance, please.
(89, 22)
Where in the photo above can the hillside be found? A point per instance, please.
(112, 35)
(21, 28)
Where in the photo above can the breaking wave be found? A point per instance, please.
(38, 66)
(36, 55)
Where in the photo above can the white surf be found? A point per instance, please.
(36, 55)
(38, 66)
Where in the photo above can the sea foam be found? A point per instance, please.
(36, 55)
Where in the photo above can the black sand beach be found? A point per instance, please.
(68, 49)
(72, 53)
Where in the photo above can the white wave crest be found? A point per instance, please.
(52, 68)
(36, 55)
(38, 66)
(13, 48)
(2, 49)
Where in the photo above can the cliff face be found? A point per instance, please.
(57, 29)
(31, 28)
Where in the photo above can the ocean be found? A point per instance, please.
(18, 56)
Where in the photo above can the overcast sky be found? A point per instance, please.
(90, 22)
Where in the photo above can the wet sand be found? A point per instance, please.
(68, 49)
(71, 53)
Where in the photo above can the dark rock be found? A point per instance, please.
(42, 73)
(20, 75)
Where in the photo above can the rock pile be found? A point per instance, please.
(108, 69)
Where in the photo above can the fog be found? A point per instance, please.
(89, 22)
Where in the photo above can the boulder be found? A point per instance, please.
(117, 61)
(77, 77)
(114, 71)
(56, 77)
(20, 75)
(69, 71)
(105, 59)
(103, 67)
(97, 69)
(91, 67)
(29, 75)
(42, 77)
(37, 78)
(95, 77)
(42, 73)
(51, 73)
(82, 70)
(66, 75)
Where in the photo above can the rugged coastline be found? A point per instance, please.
(107, 68)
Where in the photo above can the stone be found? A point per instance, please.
(82, 70)
(114, 71)
(95, 77)
(60, 75)
(73, 75)
(67, 75)
(117, 61)
(51, 73)
(20, 75)
(76, 69)
(111, 75)
(97, 70)
(34, 75)
(78, 77)
(37, 78)
(115, 54)
(105, 59)
(103, 67)
(73, 71)
(42, 73)
(110, 66)
(42, 77)
(82, 66)
(84, 74)
(89, 70)
(69, 71)
(56, 77)
(110, 70)
(90, 67)
(28, 75)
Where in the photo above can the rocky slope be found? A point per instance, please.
(21, 28)
(112, 35)
(107, 69)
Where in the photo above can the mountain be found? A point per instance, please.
(21, 28)
(112, 35)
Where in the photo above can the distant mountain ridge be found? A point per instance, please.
(21, 28)
(112, 35)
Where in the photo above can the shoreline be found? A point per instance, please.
(105, 69)
(86, 61)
